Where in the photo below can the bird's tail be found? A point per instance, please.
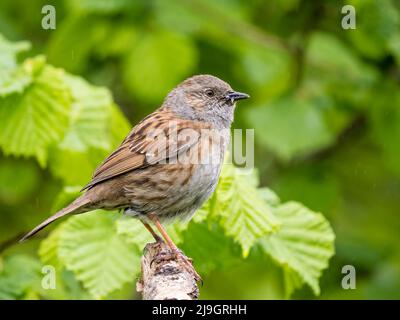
(78, 206)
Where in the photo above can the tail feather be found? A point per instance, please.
(78, 206)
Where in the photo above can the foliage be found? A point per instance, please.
(104, 254)
(325, 109)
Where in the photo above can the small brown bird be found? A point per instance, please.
(169, 164)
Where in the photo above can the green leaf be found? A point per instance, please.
(290, 127)
(90, 246)
(38, 117)
(133, 231)
(267, 70)
(292, 281)
(19, 274)
(245, 215)
(15, 80)
(89, 116)
(67, 286)
(204, 212)
(327, 54)
(269, 196)
(302, 246)
(9, 51)
(73, 167)
(157, 63)
(48, 249)
(333, 70)
(95, 127)
(12, 78)
(377, 22)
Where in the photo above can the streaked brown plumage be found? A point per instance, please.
(155, 174)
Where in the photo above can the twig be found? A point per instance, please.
(164, 277)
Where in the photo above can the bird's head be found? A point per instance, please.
(205, 98)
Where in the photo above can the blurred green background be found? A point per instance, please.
(325, 106)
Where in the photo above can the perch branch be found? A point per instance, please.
(164, 277)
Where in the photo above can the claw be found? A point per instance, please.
(162, 256)
(189, 266)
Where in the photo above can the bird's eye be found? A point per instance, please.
(210, 93)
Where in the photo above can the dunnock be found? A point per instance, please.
(169, 164)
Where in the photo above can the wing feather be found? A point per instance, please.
(157, 138)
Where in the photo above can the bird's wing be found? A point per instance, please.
(156, 138)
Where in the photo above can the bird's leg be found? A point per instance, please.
(178, 253)
(153, 233)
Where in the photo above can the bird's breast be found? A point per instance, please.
(178, 188)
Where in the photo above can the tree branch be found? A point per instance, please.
(164, 277)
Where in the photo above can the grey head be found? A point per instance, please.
(204, 98)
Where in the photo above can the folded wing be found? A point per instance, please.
(159, 137)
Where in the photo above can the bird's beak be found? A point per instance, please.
(234, 96)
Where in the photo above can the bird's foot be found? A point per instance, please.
(177, 255)
(188, 265)
(163, 256)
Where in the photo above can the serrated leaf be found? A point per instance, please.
(12, 77)
(9, 51)
(133, 231)
(15, 80)
(157, 63)
(269, 196)
(48, 249)
(38, 117)
(292, 281)
(205, 210)
(245, 215)
(91, 131)
(89, 116)
(303, 245)
(99, 257)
